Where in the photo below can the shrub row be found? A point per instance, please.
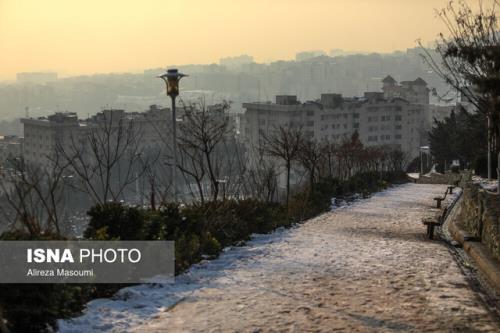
(200, 229)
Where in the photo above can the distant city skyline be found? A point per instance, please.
(86, 37)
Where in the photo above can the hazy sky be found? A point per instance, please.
(88, 36)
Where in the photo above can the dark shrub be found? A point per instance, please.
(440, 167)
(232, 221)
(115, 221)
(455, 168)
(481, 166)
(36, 307)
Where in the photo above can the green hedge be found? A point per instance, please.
(196, 229)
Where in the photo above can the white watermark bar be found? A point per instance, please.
(87, 261)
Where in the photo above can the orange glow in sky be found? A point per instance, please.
(90, 36)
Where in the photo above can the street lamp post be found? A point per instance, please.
(421, 163)
(171, 78)
(423, 149)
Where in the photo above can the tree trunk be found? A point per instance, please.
(311, 179)
(213, 178)
(153, 199)
(288, 167)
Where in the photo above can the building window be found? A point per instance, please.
(398, 136)
(398, 118)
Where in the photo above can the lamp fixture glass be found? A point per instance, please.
(172, 78)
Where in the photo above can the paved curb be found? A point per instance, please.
(487, 264)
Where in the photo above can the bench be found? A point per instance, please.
(440, 199)
(451, 188)
(433, 222)
(456, 183)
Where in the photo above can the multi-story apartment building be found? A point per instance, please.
(380, 118)
(42, 135)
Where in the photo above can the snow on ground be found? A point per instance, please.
(488, 184)
(414, 175)
(366, 267)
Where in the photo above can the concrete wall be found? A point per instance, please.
(440, 178)
(480, 216)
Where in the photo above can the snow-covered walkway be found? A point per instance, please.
(362, 268)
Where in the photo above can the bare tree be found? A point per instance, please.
(349, 155)
(283, 143)
(233, 166)
(192, 165)
(310, 155)
(155, 178)
(262, 178)
(372, 158)
(34, 195)
(106, 158)
(328, 163)
(203, 132)
(397, 160)
(470, 60)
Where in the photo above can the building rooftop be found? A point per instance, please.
(329, 101)
(418, 82)
(389, 79)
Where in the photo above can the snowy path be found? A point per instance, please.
(363, 268)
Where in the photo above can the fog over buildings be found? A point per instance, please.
(238, 79)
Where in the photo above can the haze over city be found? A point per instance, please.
(86, 37)
(279, 165)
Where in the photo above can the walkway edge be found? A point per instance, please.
(486, 263)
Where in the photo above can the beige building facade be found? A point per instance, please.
(380, 118)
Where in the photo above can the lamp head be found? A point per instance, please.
(172, 78)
